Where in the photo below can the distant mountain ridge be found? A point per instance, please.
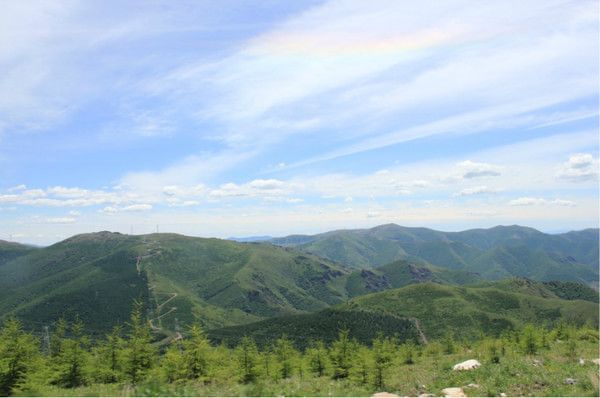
(222, 283)
(495, 253)
(185, 280)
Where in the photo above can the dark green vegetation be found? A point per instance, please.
(218, 283)
(11, 250)
(495, 253)
(436, 309)
(529, 361)
(184, 280)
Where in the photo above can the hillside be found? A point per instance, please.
(465, 312)
(181, 279)
(11, 250)
(494, 253)
(402, 273)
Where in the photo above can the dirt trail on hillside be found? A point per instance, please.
(419, 330)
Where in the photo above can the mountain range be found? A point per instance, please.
(304, 285)
(495, 253)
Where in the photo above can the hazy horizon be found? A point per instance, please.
(279, 235)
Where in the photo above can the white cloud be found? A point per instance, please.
(17, 188)
(138, 207)
(266, 185)
(60, 220)
(64, 192)
(579, 167)
(529, 201)
(472, 169)
(475, 191)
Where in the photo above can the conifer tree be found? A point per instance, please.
(382, 356)
(247, 353)
(107, 357)
(529, 341)
(285, 354)
(266, 360)
(139, 352)
(17, 352)
(407, 352)
(342, 355)
(317, 358)
(196, 353)
(58, 337)
(72, 358)
(173, 365)
(363, 364)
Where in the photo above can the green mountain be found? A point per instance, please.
(431, 310)
(184, 280)
(11, 250)
(494, 253)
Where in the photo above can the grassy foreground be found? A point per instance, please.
(529, 362)
(516, 375)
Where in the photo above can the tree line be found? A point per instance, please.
(128, 354)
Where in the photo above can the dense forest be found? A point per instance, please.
(532, 360)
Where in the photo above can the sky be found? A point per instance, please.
(238, 118)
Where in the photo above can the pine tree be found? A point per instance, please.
(342, 355)
(196, 353)
(17, 353)
(107, 357)
(448, 343)
(285, 354)
(173, 365)
(317, 358)
(529, 340)
(407, 352)
(247, 359)
(139, 352)
(382, 355)
(72, 358)
(58, 337)
(363, 364)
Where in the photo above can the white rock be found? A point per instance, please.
(467, 365)
(453, 392)
(570, 380)
(581, 361)
(596, 361)
(384, 395)
(503, 395)
(473, 385)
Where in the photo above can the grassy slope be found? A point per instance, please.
(465, 311)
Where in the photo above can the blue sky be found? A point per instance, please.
(237, 118)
